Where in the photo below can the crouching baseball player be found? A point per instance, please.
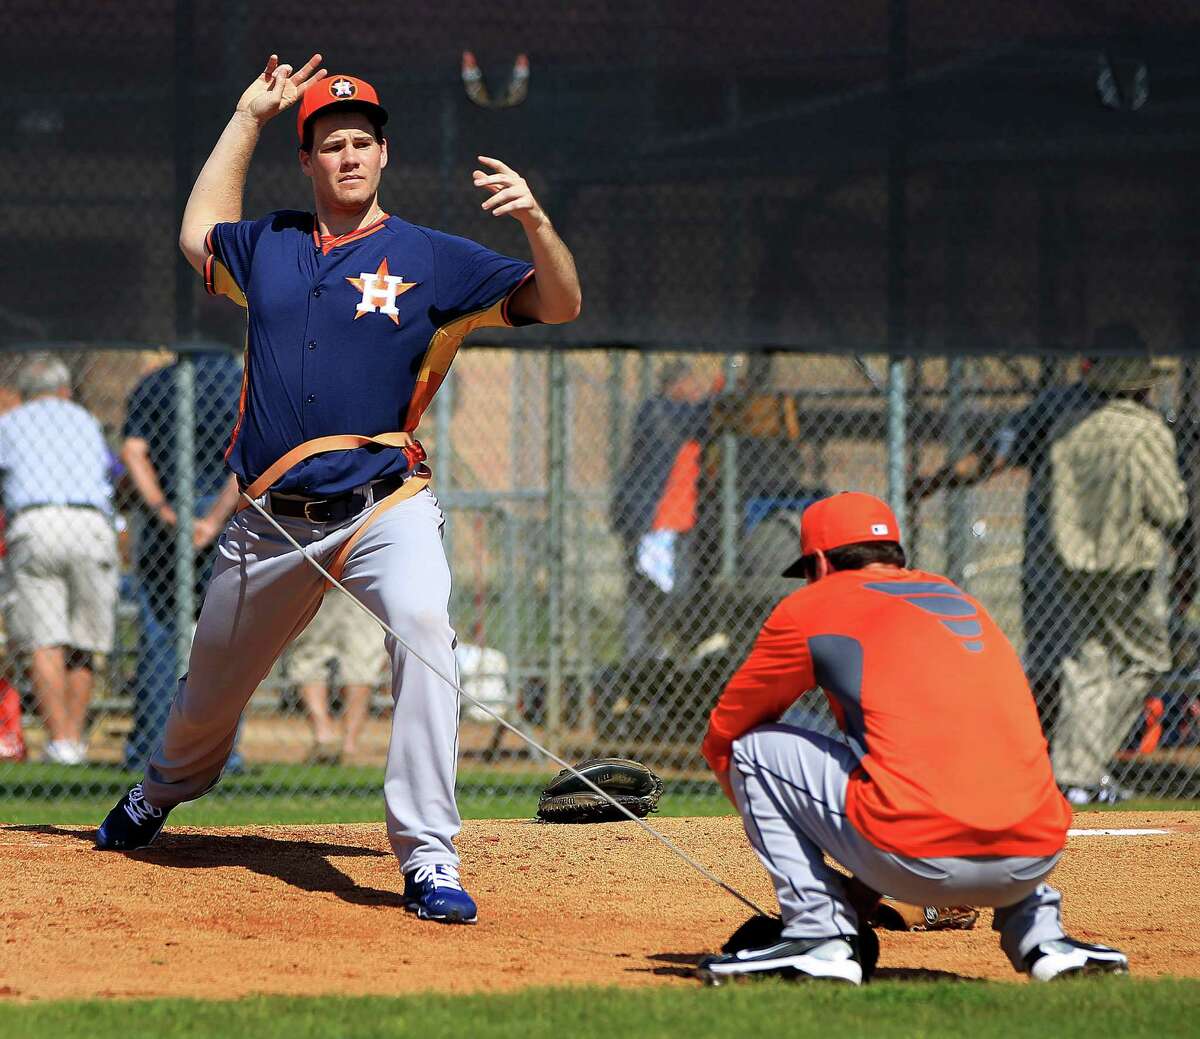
(354, 318)
(940, 793)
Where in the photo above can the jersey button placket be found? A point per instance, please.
(308, 376)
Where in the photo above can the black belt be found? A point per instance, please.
(58, 505)
(334, 509)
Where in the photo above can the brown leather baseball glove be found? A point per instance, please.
(900, 916)
(893, 915)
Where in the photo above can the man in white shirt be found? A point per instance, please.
(62, 550)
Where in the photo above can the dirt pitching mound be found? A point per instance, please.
(317, 909)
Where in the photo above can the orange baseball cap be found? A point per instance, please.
(337, 90)
(843, 519)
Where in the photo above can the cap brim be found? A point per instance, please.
(795, 570)
(354, 102)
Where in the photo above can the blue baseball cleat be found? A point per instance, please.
(132, 824)
(436, 893)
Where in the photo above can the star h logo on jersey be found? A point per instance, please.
(342, 88)
(379, 291)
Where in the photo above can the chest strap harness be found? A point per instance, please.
(416, 482)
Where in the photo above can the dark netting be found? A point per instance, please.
(848, 178)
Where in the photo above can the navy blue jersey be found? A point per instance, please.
(352, 334)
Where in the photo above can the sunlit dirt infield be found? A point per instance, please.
(316, 909)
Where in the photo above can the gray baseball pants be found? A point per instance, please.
(261, 595)
(790, 786)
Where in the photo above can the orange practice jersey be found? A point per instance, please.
(931, 696)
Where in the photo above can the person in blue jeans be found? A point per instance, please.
(149, 454)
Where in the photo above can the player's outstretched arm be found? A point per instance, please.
(553, 295)
(972, 468)
(217, 194)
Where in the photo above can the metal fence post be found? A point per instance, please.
(513, 559)
(185, 507)
(556, 432)
(729, 487)
(958, 542)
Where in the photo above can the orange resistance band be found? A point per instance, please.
(416, 483)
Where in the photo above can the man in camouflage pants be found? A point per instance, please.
(1116, 500)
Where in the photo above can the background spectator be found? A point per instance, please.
(1117, 499)
(61, 548)
(654, 504)
(342, 635)
(149, 453)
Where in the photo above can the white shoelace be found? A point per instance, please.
(139, 809)
(439, 876)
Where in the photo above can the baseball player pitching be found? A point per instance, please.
(354, 318)
(909, 802)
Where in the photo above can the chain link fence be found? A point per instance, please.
(611, 572)
(855, 249)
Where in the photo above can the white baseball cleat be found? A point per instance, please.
(1068, 958)
(827, 959)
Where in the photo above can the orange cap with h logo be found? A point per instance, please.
(337, 90)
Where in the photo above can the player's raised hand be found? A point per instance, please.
(279, 87)
(510, 195)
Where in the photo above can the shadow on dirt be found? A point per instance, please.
(302, 864)
(683, 965)
(918, 974)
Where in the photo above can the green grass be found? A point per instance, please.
(343, 794)
(1146, 804)
(301, 810)
(1082, 1009)
(35, 792)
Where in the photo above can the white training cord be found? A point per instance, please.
(662, 838)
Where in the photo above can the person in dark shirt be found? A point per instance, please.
(149, 454)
